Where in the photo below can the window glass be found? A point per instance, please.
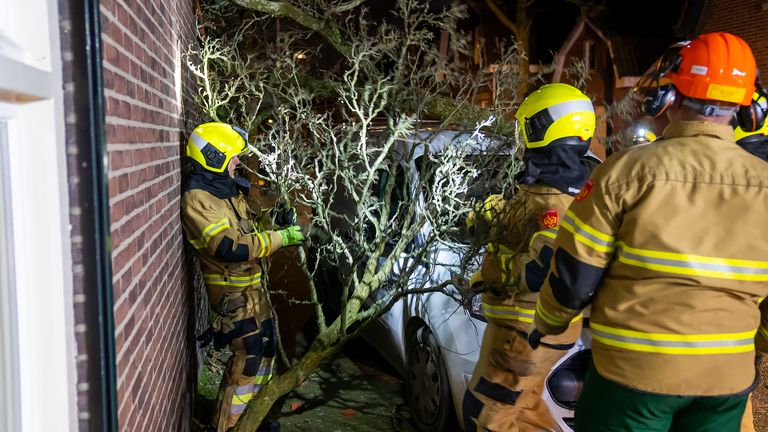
(8, 386)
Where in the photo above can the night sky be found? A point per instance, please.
(554, 20)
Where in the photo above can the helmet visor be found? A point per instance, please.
(246, 148)
(655, 76)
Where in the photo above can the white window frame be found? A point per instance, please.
(31, 101)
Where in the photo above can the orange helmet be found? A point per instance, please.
(715, 66)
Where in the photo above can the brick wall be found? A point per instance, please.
(745, 18)
(147, 93)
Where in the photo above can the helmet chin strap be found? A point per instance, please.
(709, 110)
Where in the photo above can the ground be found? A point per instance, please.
(357, 391)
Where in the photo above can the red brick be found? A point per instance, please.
(148, 265)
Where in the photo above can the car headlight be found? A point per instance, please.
(566, 382)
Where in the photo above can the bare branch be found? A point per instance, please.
(285, 9)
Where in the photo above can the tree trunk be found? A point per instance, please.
(280, 385)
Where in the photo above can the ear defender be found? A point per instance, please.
(657, 100)
(751, 117)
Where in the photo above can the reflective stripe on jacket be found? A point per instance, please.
(667, 244)
(521, 233)
(225, 233)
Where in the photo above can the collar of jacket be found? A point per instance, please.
(699, 128)
(220, 185)
(540, 188)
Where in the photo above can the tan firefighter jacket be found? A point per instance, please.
(227, 236)
(668, 244)
(520, 234)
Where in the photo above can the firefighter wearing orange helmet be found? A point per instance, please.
(668, 250)
(557, 123)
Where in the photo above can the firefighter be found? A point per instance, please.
(504, 394)
(665, 243)
(231, 245)
(755, 142)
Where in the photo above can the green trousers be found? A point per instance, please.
(605, 406)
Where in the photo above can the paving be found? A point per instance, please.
(340, 397)
(356, 391)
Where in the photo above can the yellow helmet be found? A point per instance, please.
(213, 145)
(739, 133)
(643, 136)
(555, 111)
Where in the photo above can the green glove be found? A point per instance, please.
(291, 235)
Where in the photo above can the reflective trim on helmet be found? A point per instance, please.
(198, 141)
(570, 107)
(537, 125)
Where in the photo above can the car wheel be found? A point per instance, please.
(427, 387)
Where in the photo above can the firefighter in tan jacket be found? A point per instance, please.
(504, 393)
(666, 244)
(223, 229)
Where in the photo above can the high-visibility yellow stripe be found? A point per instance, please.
(269, 243)
(672, 336)
(763, 331)
(693, 265)
(239, 281)
(606, 248)
(514, 313)
(198, 244)
(548, 317)
(261, 379)
(549, 233)
(213, 229)
(507, 268)
(266, 244)
(508, 312)
(668, 343)
(674, 350)
(578, 222)
(499, 249)
(242, 399)
(487, 208)
(694, 258)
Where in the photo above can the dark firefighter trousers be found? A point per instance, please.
(605, 406)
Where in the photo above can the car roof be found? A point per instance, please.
(440, 140)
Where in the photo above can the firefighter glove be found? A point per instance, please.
(291, 235)
(534, 338)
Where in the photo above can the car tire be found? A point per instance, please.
(426, 381)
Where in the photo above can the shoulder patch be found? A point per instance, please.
(585, 191)
(549, 218)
